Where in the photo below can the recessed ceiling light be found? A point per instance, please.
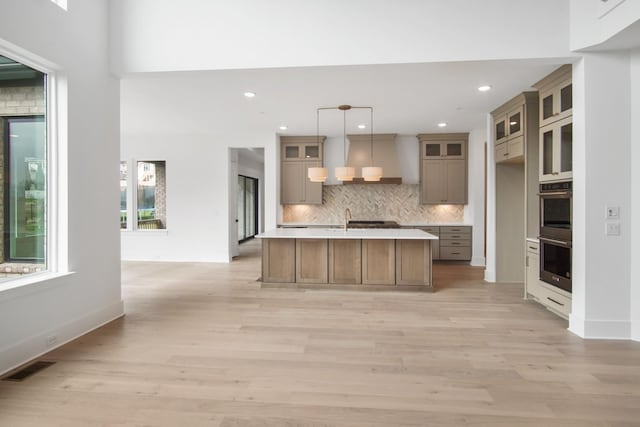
(484, 88)
(362, 126)
(283, 127)
(249, 94)
(442, 124)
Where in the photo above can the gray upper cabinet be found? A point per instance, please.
(298, 154)
(556, 125)
(513, 123)
(443, 168)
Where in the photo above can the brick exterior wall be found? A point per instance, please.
(16, 102)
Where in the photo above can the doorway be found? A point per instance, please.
(247, 205)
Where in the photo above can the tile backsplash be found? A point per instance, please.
(378, 201)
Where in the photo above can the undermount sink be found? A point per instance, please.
(372, 223)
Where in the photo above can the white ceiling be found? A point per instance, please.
(407, 98)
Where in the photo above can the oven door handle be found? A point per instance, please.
(556, 193)
(555, 242)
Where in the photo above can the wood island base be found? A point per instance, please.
(347, 263)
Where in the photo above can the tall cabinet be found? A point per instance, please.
(298, 154)
(515, 147)
(443, 168)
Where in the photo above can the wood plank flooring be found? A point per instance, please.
(205, 345)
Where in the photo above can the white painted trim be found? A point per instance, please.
(635, 330)
(576, 325)
(478, 261)
(600, 329)
(13, 356)
(489, 276)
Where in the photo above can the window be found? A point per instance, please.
(151, 200)
(123, 194)
(247, 200)
(23, 160)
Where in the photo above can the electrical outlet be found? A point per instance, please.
(613, 229)
(52, 340)
(612, 212)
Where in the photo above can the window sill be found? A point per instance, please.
(32, 283)
(162, 232)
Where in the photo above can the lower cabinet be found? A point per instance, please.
(455, 243)
(311, 260)
(556, 300)
(413, 262)
(278, 260)
(378, 262)
(345, 261)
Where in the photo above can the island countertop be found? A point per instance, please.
(351, 233)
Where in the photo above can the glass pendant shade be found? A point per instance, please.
(372, 173)
(317, 174)
(345, 173)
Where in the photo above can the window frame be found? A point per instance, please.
(56, 213)
(132, 197)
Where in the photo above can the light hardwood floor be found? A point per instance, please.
(204, 345)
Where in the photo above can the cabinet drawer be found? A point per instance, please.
(455, 243)
(431, 230)
(532, 247)
(516, 147)
(455, 236)
(455, 229)
(552, 299)
(501, 152)
(455, 253)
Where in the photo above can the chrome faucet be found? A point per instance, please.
(347, 217)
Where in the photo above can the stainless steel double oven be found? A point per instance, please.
(556, 212)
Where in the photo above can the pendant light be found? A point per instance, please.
(318, 173)
(344, 173)
(371, 173)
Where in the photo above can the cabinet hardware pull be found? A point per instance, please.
(455, 253)
(533, 247)
(559, 303)
(505, 154)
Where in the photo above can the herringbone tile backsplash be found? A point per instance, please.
(383, 201)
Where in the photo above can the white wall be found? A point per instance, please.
(198, 210)
(219, 34)
(474, 209)
(602, 171)
(595, 21)
(635, 195)
(76, 43)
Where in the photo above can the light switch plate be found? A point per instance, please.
(612, 212)
(612, 228)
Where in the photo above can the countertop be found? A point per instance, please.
(351, 233)
(409, 224)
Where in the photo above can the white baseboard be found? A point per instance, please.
(478, 261)
(489, 276)
(35, 346)
(600, 329)
(635, 330)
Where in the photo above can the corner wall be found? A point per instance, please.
(602, 173)
(38, 317)
(635, 195)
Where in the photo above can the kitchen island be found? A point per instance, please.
(335, 257)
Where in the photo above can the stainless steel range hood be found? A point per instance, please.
(385, 155)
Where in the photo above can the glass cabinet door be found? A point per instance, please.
(515, 123)
(501, 130)
(292, 151)
(432, 149)
(311, 152)
(454, 149)
(556, 151)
